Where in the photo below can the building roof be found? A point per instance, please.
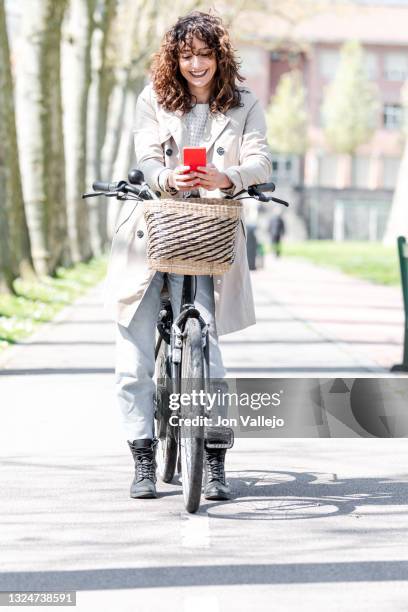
(383, 25)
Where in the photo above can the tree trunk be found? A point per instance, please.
(125, 51)
(113, 128)
(76, 80)
(15, 261)
(54, 139)
(97, 113)
(125, 152)
(6, 269)
(40, 133)
(398, 219)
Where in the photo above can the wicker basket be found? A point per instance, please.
(191, 236)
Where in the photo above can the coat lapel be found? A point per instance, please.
(215, 125)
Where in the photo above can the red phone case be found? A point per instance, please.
(194, 157)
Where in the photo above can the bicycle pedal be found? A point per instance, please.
(218, 437)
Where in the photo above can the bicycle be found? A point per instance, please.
(182, 363)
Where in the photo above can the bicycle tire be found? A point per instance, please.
(191, 437)
(166, 434)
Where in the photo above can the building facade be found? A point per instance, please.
(342, 197)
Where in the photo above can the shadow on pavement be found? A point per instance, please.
(282, 495)
(47, 371)
(204, 575)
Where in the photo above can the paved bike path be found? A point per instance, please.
(317, 321)
(317, 523)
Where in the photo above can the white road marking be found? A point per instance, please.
(195, 530)
(201, 603)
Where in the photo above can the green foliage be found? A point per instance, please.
(286, 116)
(350, 107)
(368, 260)
(39, 301)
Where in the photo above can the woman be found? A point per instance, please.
(193, 99)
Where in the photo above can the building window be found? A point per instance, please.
(391, 166)
(252, 62)
(360, 172)
(371, 65)
(283, 168)
(328, 62)
(392, 116)
(396, 66)
(327, 170)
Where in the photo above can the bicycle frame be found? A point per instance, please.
(188, 355)
(174, 335)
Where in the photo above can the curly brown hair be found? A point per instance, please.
(169, 84)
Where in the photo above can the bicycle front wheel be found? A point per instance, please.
(191, 431)
(166, 434)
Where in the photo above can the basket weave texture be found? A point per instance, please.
(193, 236)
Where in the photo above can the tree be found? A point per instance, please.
(350, 108)
(15, 257)
(398, 219)
(145, 40)
(40, 132)
(286, 116)
(98, 99)
(76, 71)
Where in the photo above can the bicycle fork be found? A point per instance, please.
(176, 347)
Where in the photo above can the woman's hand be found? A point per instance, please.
(181, 181)
(211, 178)
(207, 177)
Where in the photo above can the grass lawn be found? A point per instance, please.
(369, 260)
(38, 302)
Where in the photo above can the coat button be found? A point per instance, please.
(139, 234)
(220, 151)
(169, 151)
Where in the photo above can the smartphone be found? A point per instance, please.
(194, 157)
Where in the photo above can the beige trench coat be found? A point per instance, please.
(236, 144)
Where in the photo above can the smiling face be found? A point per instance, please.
(198, 68)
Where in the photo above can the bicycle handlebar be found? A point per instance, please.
(111, 189)
(101, 186)
(265, 187)
(139, 188)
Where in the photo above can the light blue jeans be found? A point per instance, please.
(135, 365)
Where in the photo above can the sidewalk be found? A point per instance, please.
(314, 321)
(311, 321)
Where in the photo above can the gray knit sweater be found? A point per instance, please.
(196, 120)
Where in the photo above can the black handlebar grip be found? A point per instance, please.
(265, 187)
(101, 186)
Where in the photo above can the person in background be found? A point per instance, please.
(276, 231)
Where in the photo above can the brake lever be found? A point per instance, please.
(278, 201)
(129, 196)
(112, 194)
(92, 195)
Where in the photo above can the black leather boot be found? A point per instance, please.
(144, 455)
(215, 486)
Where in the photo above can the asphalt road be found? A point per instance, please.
(315, 524)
